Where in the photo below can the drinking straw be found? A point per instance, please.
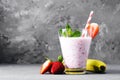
(84, 33)
(89, 19)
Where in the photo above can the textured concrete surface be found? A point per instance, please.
(31, 72)
(28, 28)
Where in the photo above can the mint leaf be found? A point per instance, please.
(60, 31)
(76, 34)
(68, 27)
(64, 34)
(68, 30)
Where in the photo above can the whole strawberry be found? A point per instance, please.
(57, 68)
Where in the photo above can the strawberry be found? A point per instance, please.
(57, 68)
(46, 66)
(93, 29)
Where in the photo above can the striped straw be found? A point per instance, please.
(89, 18)
(84, 32)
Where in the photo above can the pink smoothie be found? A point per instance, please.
(75, 51)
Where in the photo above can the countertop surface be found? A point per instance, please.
(31, 72)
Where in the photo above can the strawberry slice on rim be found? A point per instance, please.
(93, 29)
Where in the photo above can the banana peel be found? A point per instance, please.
(95, 65)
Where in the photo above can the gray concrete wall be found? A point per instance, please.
(28, 28)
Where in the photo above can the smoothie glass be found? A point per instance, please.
(75, 51)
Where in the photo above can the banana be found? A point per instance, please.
(95, 65)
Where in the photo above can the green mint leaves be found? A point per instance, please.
(69, 32)
(76, 33)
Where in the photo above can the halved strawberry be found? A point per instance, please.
(93, 29)
(46, 66)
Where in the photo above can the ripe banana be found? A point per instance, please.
(95, 65)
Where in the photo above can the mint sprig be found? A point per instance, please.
(69, 32)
